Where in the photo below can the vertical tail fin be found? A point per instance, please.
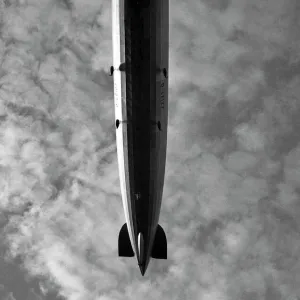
(124, 244)
(159, 249)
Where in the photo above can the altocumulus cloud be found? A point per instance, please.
(231, 197)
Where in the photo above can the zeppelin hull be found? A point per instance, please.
(140, 51)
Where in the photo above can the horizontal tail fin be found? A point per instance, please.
(124, 244)
(159, 249)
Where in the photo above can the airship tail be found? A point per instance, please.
(159, 249)
(124, 244)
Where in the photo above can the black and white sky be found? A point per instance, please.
(231, 204)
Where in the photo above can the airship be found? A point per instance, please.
(140, 30)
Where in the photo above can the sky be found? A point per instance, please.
(230, 206)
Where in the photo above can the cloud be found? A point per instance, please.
(230, 206)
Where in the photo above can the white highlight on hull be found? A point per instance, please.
(120, 110)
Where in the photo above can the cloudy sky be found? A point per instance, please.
(231, 197)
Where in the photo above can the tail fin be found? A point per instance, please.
(159, 249)
(124, 244)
